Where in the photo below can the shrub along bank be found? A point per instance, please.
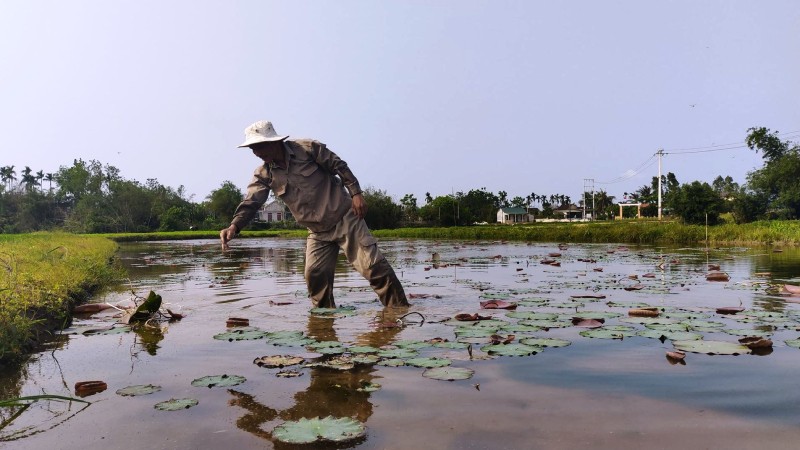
(42, 276)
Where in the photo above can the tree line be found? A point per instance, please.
(90, 197)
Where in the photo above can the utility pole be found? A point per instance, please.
(660, 153)
(588, 186)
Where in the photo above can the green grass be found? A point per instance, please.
(41, 276)
(185, 235)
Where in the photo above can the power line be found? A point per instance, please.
(632, 173)
(737, 144)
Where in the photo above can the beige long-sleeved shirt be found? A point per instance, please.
(309, 186)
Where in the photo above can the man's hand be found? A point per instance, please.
(359, 206)
(226, 235)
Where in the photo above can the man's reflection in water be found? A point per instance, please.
(330, 392)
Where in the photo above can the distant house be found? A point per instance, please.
(570, 211)
(513, 215)
(275, 211)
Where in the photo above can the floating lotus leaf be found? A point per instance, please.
(555, 323)
(711, 347)
(138, 389)
(767, 314)
(704, 325)
(667, 326)
(532, 302)
(367, 386)
(448, 373)
(683, 315)
(428, 362)
(544, 342)
(747, 332)
(648, 320)
(494, 323)
(519, 328)
(511, 349)
(289, 374)
(242, 334)
(472, 332)
(325, 344)
(334, 312)
(412, 345)
(627, 304)
(278, 361)
(289, 339)
(792, 343)
(114, 330)
(366, 359)
(149, 307)
(219, 381)
(609, 333)
(596, 314)
(567, 305)
(671, 335)
(391, 362)
(362, 349)
(336, 363)
(452, 345)
(307, 431)
(398, 353)
(330, 350)
(176, 404)
(531, 315)
(496, 295)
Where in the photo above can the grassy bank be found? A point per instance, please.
(777, 232)
(41, 276)
(629, 232)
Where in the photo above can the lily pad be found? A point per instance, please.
(394, 362)
(308, 431)
(219, 381)
(711, 347)
(242, 334)
(556, 323)
(747, 332)
(510, 349)
(473, 332)
(545, 342)
(792, 343)
(609, 333)
(362, 349)
(138, 389)
(448, 373)
(672, 335)
(428, 362)
(365, 359)
(519, 328)
(397, 353)
(176, 404)
(334, 312)
(278, 361)
(531, 315)
(452, 345)
(596, 314)
(342, 363)
(412, 345)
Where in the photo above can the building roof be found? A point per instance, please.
(514, 210)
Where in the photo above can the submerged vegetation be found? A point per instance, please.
(42, 276)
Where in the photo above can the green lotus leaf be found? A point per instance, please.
(176, 404)
(792, 343)
(114, 330)
(495, 295)
(412, 345)
(308, 431)
(766, 315)
(285, 334)
(334, 312)
(329, 350)
(138, 389)
(394, 362)
(703, 324)
(219, 381)
(448, 373)
(711, 347)
(683, 315)
(510, 349)
(397, 353)
(291, 341)
(532, 301)
(336, 363)
(325, 344)
(278, 361)
(747, 332)
(670, 335)
(531, 315)
(474, 332)
(567, 305)
(554, 323)
(519, 328)
(628, 304)
(544, 342)
(366, 359)
(428, 362)
(609, 333)
(452, 345)
(362, 349)
(596, 314)
(242, 334)
(491, 323)
(667, 326)
(648, 320)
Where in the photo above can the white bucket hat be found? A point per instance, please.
(261, 131)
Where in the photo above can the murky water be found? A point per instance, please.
(593, 393)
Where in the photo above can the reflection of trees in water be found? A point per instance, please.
(329, 393)
(11, 379)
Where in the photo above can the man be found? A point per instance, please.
(308, 178)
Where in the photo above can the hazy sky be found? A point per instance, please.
(417, 96)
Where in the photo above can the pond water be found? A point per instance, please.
(615, 391)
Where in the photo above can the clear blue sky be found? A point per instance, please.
(417, 96)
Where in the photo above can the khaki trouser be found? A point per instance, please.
(361, 249)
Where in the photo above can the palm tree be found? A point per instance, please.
(28, 179)
(9, 175)
(39, 178)
(49, 177)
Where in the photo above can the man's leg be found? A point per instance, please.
(320, 264)
(361, 250)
